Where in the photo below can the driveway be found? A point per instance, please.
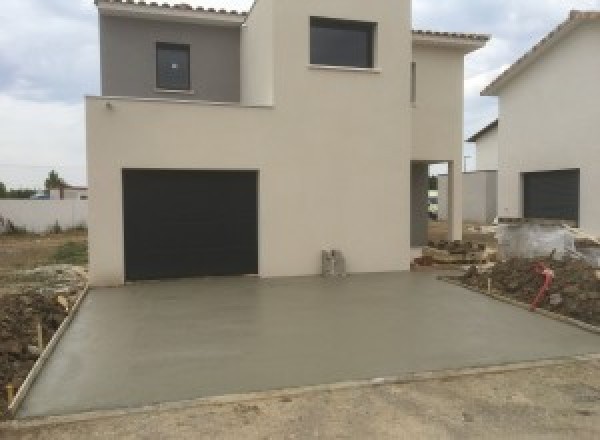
(169, 341)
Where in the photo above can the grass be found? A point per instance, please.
(72, 252)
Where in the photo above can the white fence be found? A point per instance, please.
(40, 215)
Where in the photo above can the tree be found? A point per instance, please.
(3, 192)
(54, 181)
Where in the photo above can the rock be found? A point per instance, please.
(32, 349)
(556, 299)
(571, 290)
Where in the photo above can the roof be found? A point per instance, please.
(483, 131)
(575, 19)
(455, 40)
(178, 6)
(482, 38)
(180, 12)
(156, 9)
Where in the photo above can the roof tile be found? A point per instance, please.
(178, 6)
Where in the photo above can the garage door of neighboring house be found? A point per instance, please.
(552, 194)
(190, 223)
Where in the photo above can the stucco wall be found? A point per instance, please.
(40, 215)
(257, 63)
(437, 116)
(479, 197)
(486, 155)
(333, 155)
(549, 121)
(128, 58)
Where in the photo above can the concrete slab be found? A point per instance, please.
(169, 341)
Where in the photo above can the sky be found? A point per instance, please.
(49, 59)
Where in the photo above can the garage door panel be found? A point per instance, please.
(190, 223)
(552, 194)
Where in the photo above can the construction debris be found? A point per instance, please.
(454, 252)
(22, 319)
(574, 292)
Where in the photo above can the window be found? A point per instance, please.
(172, 66)
(341, 43)
(413, 82)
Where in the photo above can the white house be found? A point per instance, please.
(227, 143)
(549, 130)
(486, 147)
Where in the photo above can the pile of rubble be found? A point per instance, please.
(453, 252)
(574, 292)
(21, 317)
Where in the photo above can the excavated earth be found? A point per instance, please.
(19, 315)
(574, 292)
(27, 297)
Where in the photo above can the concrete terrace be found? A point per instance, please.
(169, 341)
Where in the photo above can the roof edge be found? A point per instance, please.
(485, 130)
(176, 12)
(468, 42)
(575, 18)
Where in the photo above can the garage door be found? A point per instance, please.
(190, 223)
(552, 194)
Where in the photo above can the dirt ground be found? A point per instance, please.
(558, 402)
(34, 272)
(438, 231)
(574, 290)
(19, 254)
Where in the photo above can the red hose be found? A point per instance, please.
(548, 275)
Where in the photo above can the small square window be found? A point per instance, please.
(172, 66)
(342, 43)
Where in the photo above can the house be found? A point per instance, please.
(227, 143)
(69, 193)
(549, 136)
(480, 187)
(486, 147)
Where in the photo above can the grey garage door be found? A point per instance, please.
(552, 194)
(190, 223)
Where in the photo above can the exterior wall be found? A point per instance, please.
(419, 204)
(549, 121)
(487, 151)
(479, 197)
(40, 215)
(128, 58)
(257, 65)
(330, 177)
(437, 116)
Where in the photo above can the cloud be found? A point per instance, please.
(49, 58)
(37, 136)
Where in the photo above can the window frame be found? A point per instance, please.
(174, 46)
(370, 28)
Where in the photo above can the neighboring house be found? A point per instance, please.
(69, 193)
(227, 144)
(486, 147)
(549, 131)
(480, 187)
